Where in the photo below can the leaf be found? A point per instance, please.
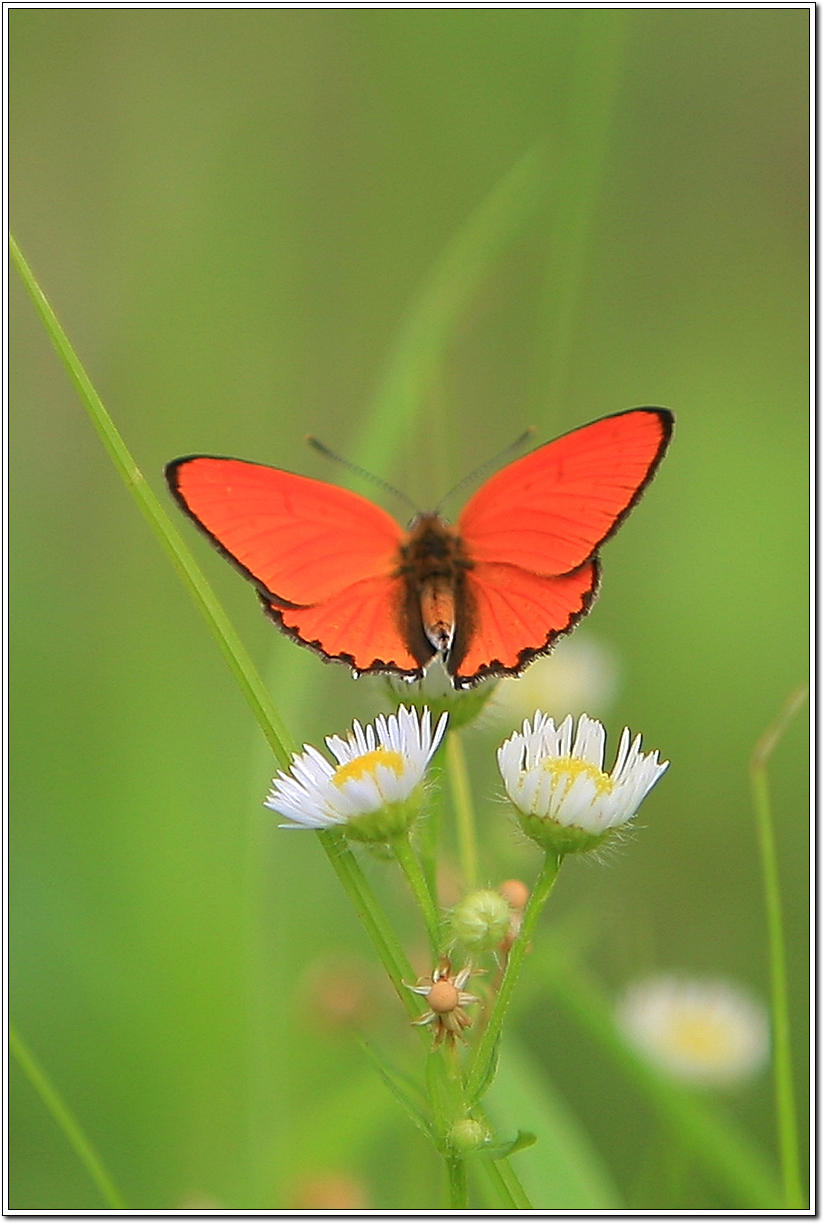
(564, 1170)
(488, 1073)
(405, 1091)
(523, 1139)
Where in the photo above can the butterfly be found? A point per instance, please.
(518, 570)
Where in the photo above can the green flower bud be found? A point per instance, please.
(481, 920)
(468, 1135)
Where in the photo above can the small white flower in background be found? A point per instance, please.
(374, 791)
(564, 799)
(701, 1031)
(582, 673)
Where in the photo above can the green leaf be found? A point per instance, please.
(405, 1091)
(563, 1171)
(487, 1073)
(523, 1139)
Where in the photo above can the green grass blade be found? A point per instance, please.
(782, 1049)
(66, 1120)
(464, 813)
(341, 858)
(563, 1170)
(230, 644)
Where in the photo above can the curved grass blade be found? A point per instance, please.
(404, 1090)
(66, 1120)
(782, 1056)
(417, 355)
(230, 644)
(341, 858)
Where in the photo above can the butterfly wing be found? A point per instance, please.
(532, 532)
(323, 559)
(549, 511)
(512, 616)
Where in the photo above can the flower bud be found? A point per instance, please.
(481, 920)
(516, 893)
(468, 1135)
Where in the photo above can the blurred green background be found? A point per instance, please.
(231, 212)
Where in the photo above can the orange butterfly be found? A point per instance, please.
(520, 568)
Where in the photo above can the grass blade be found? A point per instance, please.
(782, 1056)
(66, 1120)
(230, 644)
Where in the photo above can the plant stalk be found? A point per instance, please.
(489, 1040)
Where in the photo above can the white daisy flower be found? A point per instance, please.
(375, 788)
(564, 799)
(707, 1032)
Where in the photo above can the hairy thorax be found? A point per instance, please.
(434, 564)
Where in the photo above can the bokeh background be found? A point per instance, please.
(239, 216)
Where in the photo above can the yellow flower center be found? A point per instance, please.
(701, 1037)
(571, 768)
(363, 766)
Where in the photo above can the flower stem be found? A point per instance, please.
(390, 952)
(420, 889)
(783, 1072)
(486, 1048)
(458, 1196)
(462, 798)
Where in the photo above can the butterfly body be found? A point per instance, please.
(518, 569)
(433, 564)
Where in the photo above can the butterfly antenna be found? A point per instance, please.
(317, 445)
(489, 466)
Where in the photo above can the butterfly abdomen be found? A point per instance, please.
(433, 565)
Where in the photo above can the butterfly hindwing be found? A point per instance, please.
(514, 615)
(361, 625)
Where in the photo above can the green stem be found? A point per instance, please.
(458, 1195)
(66, 1120)
(462, 798)
(507, 1183)
(230, 644)
(390, 952)
(420, 889)
(486, 1048)
(782, 1059)
(428, 833)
